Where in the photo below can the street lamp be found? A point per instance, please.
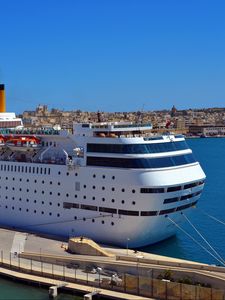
(127, 245)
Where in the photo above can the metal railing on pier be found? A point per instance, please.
(154, 285)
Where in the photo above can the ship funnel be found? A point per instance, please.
(2, 98)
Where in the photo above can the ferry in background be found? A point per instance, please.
(7, 120)
(112, 182)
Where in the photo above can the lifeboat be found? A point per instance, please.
(23, 143)
(2, 142)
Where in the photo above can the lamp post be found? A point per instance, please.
(128, 239)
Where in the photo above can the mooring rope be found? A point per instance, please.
(66, 221)
(204, 239)
(212, 217)
(204, 248)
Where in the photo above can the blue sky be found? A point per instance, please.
(112, 55)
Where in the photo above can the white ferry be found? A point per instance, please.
(112, 182)
(8, 120)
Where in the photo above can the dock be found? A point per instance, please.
(116, 273)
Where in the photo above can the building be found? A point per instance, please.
(207, 130)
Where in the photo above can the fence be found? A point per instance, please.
(133, 284)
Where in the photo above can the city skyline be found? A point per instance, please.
(113, 55)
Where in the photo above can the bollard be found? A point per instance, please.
(90, 295)
(53, 292)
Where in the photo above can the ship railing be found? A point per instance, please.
(30, 131)
(37, 161)
(132, 125)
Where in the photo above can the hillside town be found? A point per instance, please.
(192, 122)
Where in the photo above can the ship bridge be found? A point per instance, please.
(112, 129)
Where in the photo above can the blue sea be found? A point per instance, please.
(210, 152)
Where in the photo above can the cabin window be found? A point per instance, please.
(171, 200)
(108, 210)
(137, 163)
(174, 188)
(128, 212)
(137, 148)
(148, 213)
(89, 207)
(152, 190)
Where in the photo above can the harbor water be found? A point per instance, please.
(11, 290)
(211, 154)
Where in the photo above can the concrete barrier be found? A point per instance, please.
(188, 265)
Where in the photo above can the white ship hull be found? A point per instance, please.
(34, 202)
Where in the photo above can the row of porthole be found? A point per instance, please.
(27, 210)
(103, 176)
(94, 176)
(35, 191)
(27, 180)
(84, 197)
(35, 180)
(67, 173)
(93, 187)
(93, 221)
(58, 215)
(103, 188)
(76, 174)
(67, 195)
(35, 201)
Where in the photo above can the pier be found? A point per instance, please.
(119, 274)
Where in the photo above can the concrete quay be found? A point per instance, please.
(44, 261)
(72, 287)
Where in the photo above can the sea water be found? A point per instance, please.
(210, 152)
(12, 290)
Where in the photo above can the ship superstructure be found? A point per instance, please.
(112, 182)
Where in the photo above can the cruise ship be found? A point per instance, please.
(112, 182)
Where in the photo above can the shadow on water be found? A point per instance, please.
(166, 248)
